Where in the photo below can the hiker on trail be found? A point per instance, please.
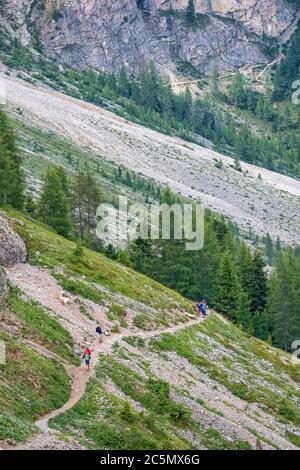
(99, 332)
(202, 309)
(199, 309)
(86, 357)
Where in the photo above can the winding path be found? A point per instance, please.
(78, 375)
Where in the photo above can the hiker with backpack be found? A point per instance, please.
(199, 309)
(99, 332)
(86, 357)
(202, 309)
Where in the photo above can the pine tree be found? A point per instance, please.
(258, 286)
(260, 325)
(151, 86)
(190, 11)
(53, 206)
(284, 300)
(227, 288)
(142, 255)
(11, 175)
(123, 82)
(238, 90)
(269, 248)
(30, 205)
(243, 316)
(237, 163)
(86, 197)
(245, 268)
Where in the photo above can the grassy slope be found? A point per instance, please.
(35, 324)
(243, 368)
(30, 386)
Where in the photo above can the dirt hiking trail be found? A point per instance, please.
(40, 286)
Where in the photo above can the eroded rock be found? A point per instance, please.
(12, 247)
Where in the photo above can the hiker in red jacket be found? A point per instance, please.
(86, 357)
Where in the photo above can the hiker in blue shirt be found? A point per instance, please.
(202, 307)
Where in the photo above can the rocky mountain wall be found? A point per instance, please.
(104, 35)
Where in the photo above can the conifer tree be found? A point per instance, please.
(86, 196)
(284, 300)
(260, 325)
(190, 11)
(258, 285)
(53, 206)
(11, 175)
(269, 248)
(245, 268)
(30, 205)
(227, 288)
(243, 316)
(123, 82)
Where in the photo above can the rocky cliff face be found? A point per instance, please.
(261, 16)
(104, 35)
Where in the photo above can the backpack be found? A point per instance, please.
(86, 356)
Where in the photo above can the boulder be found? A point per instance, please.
(12, 247)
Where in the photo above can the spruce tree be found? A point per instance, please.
(190, 11)
(227, 288)
(260, 325)
(284, 300)
(245, 268)
(86, 197)
(123, 82)
(243, 316)
(258, 286)
(53, 206)
(30, 205)
(11, 175)
(269, 248)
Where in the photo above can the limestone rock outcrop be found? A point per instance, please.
(105, 34)
(12, 247)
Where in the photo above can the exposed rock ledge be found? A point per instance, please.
(12, 247)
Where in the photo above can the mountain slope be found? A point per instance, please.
(256, 199)
(203, 385)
